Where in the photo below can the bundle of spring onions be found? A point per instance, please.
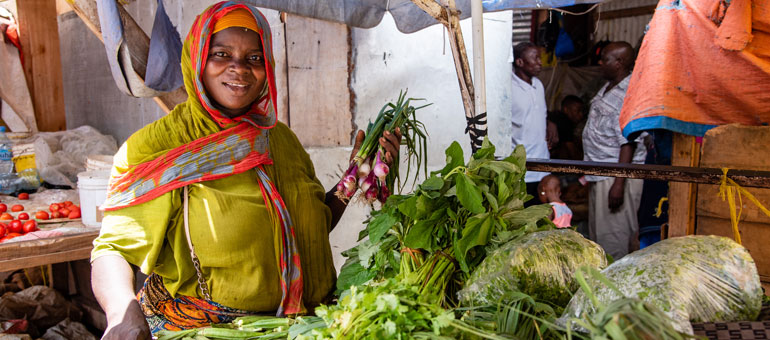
(368, 170)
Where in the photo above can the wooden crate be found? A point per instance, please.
(737, 147)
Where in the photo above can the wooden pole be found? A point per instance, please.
(39, 35)
(682, 196)
(449, 17)
(138, 42)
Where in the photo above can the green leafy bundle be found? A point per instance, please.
(390, 310)
(435, 236)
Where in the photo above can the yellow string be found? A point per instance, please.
(727, 190)
(659, 210)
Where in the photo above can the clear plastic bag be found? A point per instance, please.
(692, 279)
(61, 155)
(540, 264)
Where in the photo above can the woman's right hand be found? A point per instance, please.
(112, 281)
(129, 325)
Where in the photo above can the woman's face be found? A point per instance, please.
(234, 74)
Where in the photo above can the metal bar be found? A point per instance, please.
(746, 178)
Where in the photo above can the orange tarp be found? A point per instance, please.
(702, 63)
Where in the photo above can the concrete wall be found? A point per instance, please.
(384, 62)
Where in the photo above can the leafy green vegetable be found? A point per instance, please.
(540, 264)
(690, 279)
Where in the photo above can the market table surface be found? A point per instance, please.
(44, 251)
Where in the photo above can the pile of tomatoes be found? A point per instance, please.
(21, 224)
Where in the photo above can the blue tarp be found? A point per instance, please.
(409, 18)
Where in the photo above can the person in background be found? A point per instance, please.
(528, 112)
(549, 191)
(613, 202)
(566, 121)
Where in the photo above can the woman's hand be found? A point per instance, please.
(390, 142)
(112, 281)
(127, 325)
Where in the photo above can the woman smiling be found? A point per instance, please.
(217, 201)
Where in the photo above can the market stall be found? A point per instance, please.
(458, 255)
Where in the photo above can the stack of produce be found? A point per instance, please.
(434, 237)
(460, 257)
(691, 279)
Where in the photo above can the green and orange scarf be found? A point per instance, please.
(208, 145)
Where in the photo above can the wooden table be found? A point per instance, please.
(26, 254)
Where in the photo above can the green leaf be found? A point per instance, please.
(500, 167)
(469, 195)
(352, 274)
(518, 157)
(503, 192)
(492, 200)
(454, 158)
(432, 183)
(487, 150)
(380, 225)
(409, 207)
(420, 235)
(527, 216)
(477, 232)
(366, 251)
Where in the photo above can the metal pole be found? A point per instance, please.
(479, 71)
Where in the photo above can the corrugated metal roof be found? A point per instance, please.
(629, 29)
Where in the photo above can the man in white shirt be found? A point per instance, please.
(613, 202)
(528, 112)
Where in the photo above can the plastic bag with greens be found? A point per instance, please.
(692, 278)
(540, 264)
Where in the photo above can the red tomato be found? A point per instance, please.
(67, 203)
(6, 216)
(74, 214)
(23, 216)
(3, 208)
(55, 214)
(3, 228)
(64, 212)
(15, 227)
(23, 196)
(17, 207)
(73, 208)
(53, 207)
(29, 226)
(41, 215)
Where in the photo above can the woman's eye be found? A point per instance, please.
(256, 58)
(219, 54)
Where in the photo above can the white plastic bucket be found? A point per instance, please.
(99, 162)
(92, 187)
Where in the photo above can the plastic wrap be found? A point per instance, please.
(540, 264)
(61, 155)
(692, 278)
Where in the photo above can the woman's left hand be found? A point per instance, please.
(390, 142)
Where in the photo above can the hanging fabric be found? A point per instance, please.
(160, 64)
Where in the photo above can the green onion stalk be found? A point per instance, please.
(434, 276)
(368, 171)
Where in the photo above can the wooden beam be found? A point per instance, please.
(682, 196)
(686, 174)
(628, 12)
(138, 42)
(39, 34)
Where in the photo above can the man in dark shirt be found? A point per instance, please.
(567, 121)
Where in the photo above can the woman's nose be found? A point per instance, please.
(238, 65)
